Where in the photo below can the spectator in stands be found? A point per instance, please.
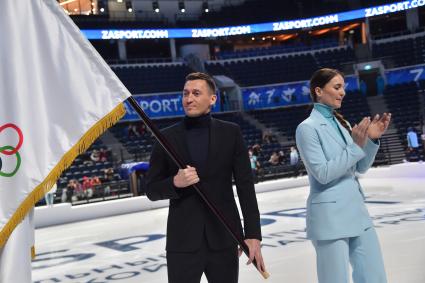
(281, 157)
(412, 145)
(71, 189)
(132, 131)
(255, 165)
(106, 190)
(256, 150)
(95, 181)
(50, 196)
(95, 155)
(293, 155)
(103, 155)
(86, 182)
(77, 189)
(338, 223)
(87, 187)
(267, 136)
(214, 151)
(64, 197)
(412, 138)
(274, 159)
(294, 160)
(423, 134)
(108, 174)
(252, 159)
(141, 129)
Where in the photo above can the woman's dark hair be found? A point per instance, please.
(319, 79)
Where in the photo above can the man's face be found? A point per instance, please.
(197, 98)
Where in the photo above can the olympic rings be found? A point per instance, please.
(18, 162)
(10, 150)
(21, 138)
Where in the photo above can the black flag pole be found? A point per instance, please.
(178, 161)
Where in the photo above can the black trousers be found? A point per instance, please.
(220, 266)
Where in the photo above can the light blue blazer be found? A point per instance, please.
(335, 206)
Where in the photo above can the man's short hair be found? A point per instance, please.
(205, 77)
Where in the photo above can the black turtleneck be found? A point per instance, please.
(197, 139)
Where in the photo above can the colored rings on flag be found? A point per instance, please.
(18, 162)
(11, 150)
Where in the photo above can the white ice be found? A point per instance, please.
(134, 251)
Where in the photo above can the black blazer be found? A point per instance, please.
(188, 216)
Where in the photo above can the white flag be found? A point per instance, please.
(15, 256)
(57, 95)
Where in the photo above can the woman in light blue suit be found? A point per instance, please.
(338, 223)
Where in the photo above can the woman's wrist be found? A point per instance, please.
(374, 138)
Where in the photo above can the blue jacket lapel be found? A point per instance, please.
(345, 133)
(327, 127)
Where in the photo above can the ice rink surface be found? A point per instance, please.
(130, 248)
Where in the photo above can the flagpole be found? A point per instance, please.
(179, 162)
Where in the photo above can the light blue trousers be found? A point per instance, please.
(363, 252)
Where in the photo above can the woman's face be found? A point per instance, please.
(332, 93)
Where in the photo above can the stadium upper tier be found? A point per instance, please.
(277, 49)
(401, 51)
(281, 68)
(272, 69)
(153, 78)
(246, 72)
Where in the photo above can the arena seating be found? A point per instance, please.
(277, 49)
(341, 59)
(399, 52)
(277, 69)
(403, 51)
(152, 78)
(83, 166)
(139, 147)
(404, 100)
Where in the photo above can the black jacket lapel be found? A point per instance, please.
(178, 140)
(214, 144)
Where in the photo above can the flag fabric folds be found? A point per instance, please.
(57, 95)
(15, 256)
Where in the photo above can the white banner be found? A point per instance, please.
(57, 95)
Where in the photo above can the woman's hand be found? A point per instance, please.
(378, 126)
(359, 132)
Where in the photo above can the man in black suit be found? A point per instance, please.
(214, 150)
